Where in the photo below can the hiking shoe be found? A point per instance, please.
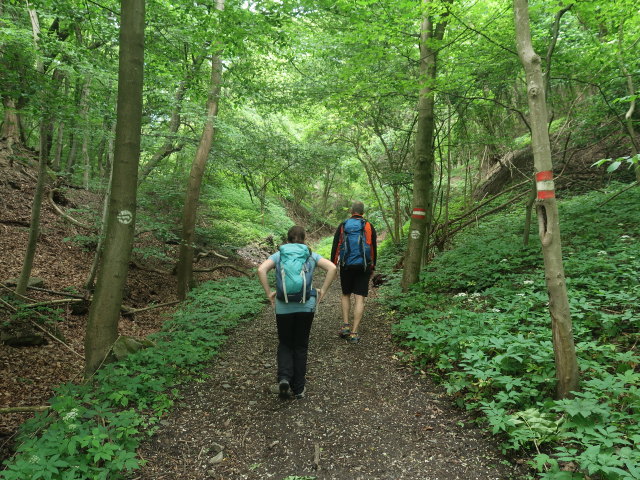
(344, 331)
(284, 389)
(354, 338)
(301, 395)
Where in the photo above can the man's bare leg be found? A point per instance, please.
(345, 301)
(358, 310)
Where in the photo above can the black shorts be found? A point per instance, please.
(354, 280)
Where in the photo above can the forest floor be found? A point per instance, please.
(29, 374)
(366, 415)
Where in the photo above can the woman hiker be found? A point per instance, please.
(295, 302)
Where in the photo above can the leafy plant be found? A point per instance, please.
(479, 322)
(92, 430)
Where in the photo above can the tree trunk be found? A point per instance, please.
(111, 148)
(169, 146)
(397, 214)
(422, 203)
(11, 123)
(528, 214)
(84, 102)
(104, 314)
(185, 262)
(547, 209)
(57, 159)
(90, 282)
(59, 144)
(34, 230)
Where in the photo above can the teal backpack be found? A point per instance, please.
(294, 273)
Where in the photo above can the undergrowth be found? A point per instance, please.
(92, 430)
(479, 322)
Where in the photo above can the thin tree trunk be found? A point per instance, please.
(57, 160)
(73, 148)
(185, 262)
(104, 313)
(85, 160)
(111, 148)
(102, 146)
(59, 144)
(397, 214)
(10, 123)
(547, 210)
(90, 282)
(169, 146)
(84, 102)
(422, 203)
(34, 230)
(528, 214)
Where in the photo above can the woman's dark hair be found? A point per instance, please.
(296, 234)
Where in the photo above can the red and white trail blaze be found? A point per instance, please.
(419, 213)
(544, 185)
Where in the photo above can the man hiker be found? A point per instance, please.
(355, 247)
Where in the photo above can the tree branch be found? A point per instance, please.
(5, 410)
(133, 311)
(218, 267)
(68, 218)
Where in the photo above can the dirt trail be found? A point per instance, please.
(365, 416)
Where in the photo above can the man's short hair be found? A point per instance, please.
(357, 208)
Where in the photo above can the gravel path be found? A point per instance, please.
(365, 416)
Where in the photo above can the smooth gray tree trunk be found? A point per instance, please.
(185, 261)
(422, 203)
(104, 313)
(547, 209)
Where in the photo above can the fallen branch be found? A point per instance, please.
(483, 203)
(139, 266)
(218, 267)
(53, 292)
(40, 327)
(67, 217)
(208, 253)
(15, 223)
(42, 408)
(440, 241)
(132, 311)
(634, 184)
(14, 293)
(54, 302)
(47, 332)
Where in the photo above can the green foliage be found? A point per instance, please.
(234, 219)
(323, 247)
(38, 313)
(228, 217)
(615, 164)
(92, 430)
(479, 320)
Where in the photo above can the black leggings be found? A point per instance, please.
(293, 345)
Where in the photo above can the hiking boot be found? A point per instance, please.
(284, 389)
(301, 395)
(354, 338)
(344, 331)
